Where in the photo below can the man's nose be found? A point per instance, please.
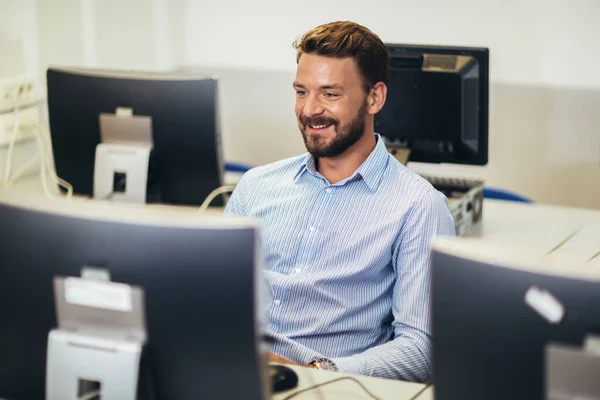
(312, 107)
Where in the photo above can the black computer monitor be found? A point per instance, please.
(488, 342)
(186, 162)
(437, 103)
(198, 274)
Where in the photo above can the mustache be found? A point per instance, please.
(314, 121)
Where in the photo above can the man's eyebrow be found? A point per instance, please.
(323, 87)
(333, 86)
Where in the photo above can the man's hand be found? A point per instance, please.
(280, 360)
(274, 358)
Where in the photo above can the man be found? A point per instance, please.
(347, 229)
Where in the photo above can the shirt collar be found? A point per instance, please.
(304, 166)
(371, 170)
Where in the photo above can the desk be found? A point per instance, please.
(428, 394)
(384, 389)
(556, 230)
(553, 230)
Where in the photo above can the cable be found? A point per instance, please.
(109, 196)
(420, 392)
(43, 145)
(13, 138)
(45, 165)
(23, 168)
(329, 382)
(90, 395)
(42, 156)
(215, 193)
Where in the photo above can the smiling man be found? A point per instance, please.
(347, 229)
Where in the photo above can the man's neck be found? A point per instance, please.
(336, 169)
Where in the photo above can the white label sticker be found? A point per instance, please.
(106, 295)
(545, 304)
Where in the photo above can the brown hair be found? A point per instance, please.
(348, 39)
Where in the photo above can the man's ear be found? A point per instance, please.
(376, 98)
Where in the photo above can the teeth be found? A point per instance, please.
(319, 126)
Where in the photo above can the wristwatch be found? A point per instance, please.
(324, 364)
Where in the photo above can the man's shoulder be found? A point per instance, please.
(407, 183)
(281, 169)
(419, 197)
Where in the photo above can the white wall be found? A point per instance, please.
(534, 42)
(544, 131)
(132, 34)
(18, 55)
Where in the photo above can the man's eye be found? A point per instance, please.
(331, 95)
(300, 92)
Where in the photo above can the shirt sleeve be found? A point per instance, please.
(408, 356)
(236, 204)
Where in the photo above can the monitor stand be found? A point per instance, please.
(121, 172)
(123, 156)
(96, 349)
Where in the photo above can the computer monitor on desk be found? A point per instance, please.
(174, 115)
(503, 320)
(203, 317)
(437, 103)
(436, 111)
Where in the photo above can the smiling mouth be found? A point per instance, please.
(319, 127)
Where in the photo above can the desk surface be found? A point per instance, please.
(347, 389)
(565, 230)
(426, 395)
(554, 230)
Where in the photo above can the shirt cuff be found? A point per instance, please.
(349, 365)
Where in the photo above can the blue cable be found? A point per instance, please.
(236, 167)
(488, 192)
(500, 194)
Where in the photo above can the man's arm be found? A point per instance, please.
(236, 203)
(408, 355)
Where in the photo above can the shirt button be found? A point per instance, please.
(312, 229)
(277, 302)
(298, 270)
(329, 190)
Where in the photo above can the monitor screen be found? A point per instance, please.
(437, 103)
(203, 320)
(185, 163)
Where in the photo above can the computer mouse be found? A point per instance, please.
(282, 378)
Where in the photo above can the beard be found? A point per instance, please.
(345, 135)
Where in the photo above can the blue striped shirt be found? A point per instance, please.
(348, 263)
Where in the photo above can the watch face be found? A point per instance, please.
(327, 364)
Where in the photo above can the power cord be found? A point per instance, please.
(109, 196)
(43, 146)
(90, 395)
(13, 138)
(330, 382)
(214, 194)
(22, 169)
(420, 392)
(45, 165)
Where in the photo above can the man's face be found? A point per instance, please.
(331, 104)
